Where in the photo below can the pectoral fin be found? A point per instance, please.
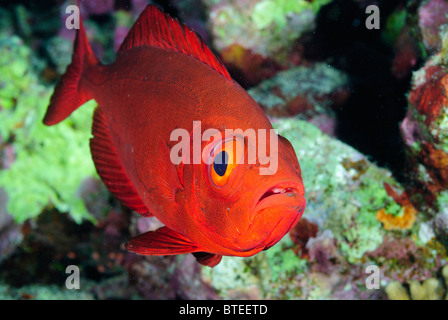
(165, 241)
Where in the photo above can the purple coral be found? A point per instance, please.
(322, 250)
(411, 130)
(432, 14)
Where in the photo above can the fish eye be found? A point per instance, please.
(220, 163)
(226, 156)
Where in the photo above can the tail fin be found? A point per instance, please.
(68, 96)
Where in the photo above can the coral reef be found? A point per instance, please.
(264, 28)
(403, 259)
(39, 292)
(424, 131)
(344, 189)
(431, 16)
(247, 67)
(323, 252)
(308, 91)
(30, 183)
(440, 222)
(302, 232)
(405, 220)
(430, 289)
(401, 215)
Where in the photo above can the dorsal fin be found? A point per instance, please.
(109, 167)
(157, 29)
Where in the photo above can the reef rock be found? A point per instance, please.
(431, 16)
(309, 91)
(430, 289)
(425, 131)
(264, 30)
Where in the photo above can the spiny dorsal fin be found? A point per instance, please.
(109, 167)
(157, 29)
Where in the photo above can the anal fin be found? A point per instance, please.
(109, 167)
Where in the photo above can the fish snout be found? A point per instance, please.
(276, 210)
(285, 193)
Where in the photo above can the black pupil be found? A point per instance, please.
(220, 163)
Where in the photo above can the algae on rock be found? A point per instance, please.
(267, 27)
(50, 162)
(343, 189)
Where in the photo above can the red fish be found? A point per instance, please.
(166, 78)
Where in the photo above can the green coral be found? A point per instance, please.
(50, 162)
(394, 209)
(343, 190)
(283, 261)
(439, 129)
(232, 273)
(311, 82)
(261, 274)
(267, 27)
(269, 12)
(442, 199)
(40, 292)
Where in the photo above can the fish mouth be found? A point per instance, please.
(283, 190)
(276, 190)
(277, 208)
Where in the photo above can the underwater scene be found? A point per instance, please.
(224, 150)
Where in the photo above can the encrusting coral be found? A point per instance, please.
(401, 215)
